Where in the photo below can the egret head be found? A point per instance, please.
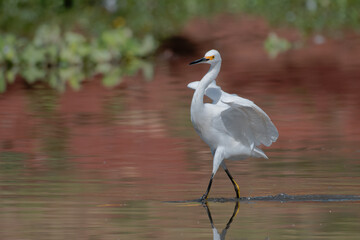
(211, 57)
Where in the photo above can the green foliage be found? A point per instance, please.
(38, 36)
(308, 16)
(53, 52)
(275, 45)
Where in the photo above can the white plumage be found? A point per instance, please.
(232, 126)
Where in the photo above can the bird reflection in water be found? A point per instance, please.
(216, 234)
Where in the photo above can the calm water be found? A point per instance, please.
(103, 163)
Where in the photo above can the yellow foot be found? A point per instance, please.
(204, 198)
(237, 189)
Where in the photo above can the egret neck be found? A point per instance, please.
(232, 126)
(198, 98)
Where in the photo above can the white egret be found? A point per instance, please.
(232, 126)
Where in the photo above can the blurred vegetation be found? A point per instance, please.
(309, 16)
(62, 41)
(275, 45)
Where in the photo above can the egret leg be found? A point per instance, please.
(205, 205)
(235, 212)
(236, 186)
(205, 196)
(223, 232)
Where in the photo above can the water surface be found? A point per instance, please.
(103, 163)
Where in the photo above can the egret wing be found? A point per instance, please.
(212, 91)
(193, 85)
(246, 122)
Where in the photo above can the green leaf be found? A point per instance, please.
(100, 55)
(2, 83)
(10, 75)
(32, 55)
(275, 45)
(112, 78)
(72, 38)
(73, 75)
(148, 70)
(148, 46)
(47, 34)
(103, 68)
(32, 73)
(70, 57)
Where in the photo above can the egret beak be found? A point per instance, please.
(199, 61)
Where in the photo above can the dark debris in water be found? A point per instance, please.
(283, 197)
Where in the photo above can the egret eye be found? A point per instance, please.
(232, 126)
(210, 57)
